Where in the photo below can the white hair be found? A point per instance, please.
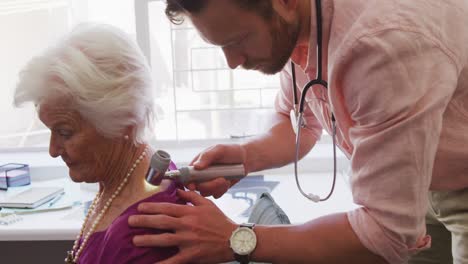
(103, 72)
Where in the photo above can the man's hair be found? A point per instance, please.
(175, 9)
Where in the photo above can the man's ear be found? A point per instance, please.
(287, 9)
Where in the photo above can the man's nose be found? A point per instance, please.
(234, 57)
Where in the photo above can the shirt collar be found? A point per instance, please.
(306, 56)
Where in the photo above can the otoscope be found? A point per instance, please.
(160, 163)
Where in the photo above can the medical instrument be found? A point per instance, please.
(160, 163)
(298, 109)
(56, 199)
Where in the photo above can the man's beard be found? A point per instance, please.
(284, 38)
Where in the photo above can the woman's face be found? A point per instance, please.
(76, 141)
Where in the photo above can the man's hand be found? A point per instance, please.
(201, 232)
(219, 154)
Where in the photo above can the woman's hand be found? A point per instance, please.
(201, 232)
(218, 154)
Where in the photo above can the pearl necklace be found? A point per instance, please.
(73, 255)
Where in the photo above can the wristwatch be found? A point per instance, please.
(243, 242)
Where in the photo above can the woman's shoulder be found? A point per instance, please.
(167, 194)
(118, 238)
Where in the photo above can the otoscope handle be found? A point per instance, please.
(229, 172)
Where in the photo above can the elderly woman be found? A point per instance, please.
(93, 91)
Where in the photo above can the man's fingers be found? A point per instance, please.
(216, 187)
(175, 210)
(209, 156)
(193, 198)
(191, 186)
(216, 193)
(194, 159)
(160, 240)
(233, 182)
(154, 221)
(203, 160)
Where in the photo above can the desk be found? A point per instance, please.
(43, 237)
(48, 235)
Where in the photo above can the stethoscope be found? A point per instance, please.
(298, 109)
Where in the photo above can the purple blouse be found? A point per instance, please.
(114, 245)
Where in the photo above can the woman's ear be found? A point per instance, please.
(287, 9)
(129, 132)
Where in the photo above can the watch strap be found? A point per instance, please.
(248, 225)
(244, 259)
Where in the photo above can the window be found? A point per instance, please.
(27, 28)
(197, 96)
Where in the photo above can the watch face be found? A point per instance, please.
(243, 241)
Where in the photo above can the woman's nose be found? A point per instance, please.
(234, 58)
(55, 148)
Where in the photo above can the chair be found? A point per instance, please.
(266, 211)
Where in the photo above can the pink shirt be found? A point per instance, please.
(398, 86)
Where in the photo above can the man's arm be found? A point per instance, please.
(273, 149)
(276, 148)
(329, 239)
(202, 233)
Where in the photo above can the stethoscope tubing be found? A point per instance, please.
(300, 111)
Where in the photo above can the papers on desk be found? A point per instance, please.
(9, 218)
(32, 198)
(43, 208)
(60, 201)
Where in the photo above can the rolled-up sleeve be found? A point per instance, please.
(284, 103)
(397, 86)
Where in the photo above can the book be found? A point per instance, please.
(32, 198)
